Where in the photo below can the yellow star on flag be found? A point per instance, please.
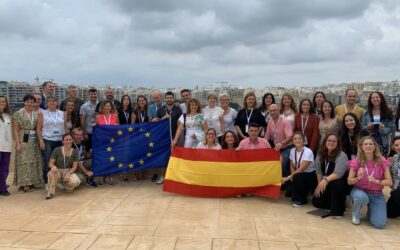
(119, 132)
(141, 162)
(112, 140)
(109, 149)
(120, 165)
(151, 144)
(147, 135)
(149, 154)
(131, 165)
(130, 129)
(112, 158)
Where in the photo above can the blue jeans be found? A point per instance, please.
(285, 153)
(376, 206)
(49, 147)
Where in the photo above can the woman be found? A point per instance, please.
(307, 122)
(393, 204)
(378, 120)
(331, 165)
(397, 120)
(229, 140)
(107, 114)
(140, 114)
(6, 139)
(192, 124)
(71, 116)
(369, 173)
(63, 164)
(248, 115)
(214, 116)
(288, 108)
(318, 99)
(210, 141)
(28, 159)
(229, 113)
(302, 171)
(267, 100)
(350, 134)
(51, 125)
(125, 110)
(328, 123)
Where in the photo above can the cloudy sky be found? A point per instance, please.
(187, 42)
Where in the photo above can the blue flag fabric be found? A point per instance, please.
(131, 147)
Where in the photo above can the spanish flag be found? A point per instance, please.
(224, 173)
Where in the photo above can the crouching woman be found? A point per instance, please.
(63, 164)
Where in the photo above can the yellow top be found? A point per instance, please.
(342, 109)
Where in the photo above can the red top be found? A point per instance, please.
(107, 120)
(310, 129)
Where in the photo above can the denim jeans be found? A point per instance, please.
(49, 147)
(285, 153)
(4, 169)
(376, 206)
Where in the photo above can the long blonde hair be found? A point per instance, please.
(377, 156)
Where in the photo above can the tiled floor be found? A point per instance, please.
(138, 215)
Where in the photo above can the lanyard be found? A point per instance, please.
(109, 119)
(303, 126)
(141, 116)
(249, 116)
(297, 163)
(276, 127)
(326, 168)
(345, 108)
(69, 157)
(79, 149)
(168, 111)
(53, 117)
(366, 170)
(126, 114)
(30, 117)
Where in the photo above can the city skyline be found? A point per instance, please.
(187, 43)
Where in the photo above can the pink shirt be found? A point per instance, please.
(107, 120)
(378, 171)
(261, 143)
(279, 130)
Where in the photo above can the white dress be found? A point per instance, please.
(229, 120)
(213, 116)
(193, 127)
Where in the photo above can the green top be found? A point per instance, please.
(58, 156)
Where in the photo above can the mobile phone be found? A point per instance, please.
(26, 138)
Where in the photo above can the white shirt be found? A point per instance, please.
(204, 146)
(53, 125)
(308, 155)
(213, 116)
(183, 107)
(5, 134)
(229, 120)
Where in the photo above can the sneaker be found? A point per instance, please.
(5, 193)
(154, 178)
(91, 182)
(49, 197)
(298, 204)
(160, 180)
(354, 220)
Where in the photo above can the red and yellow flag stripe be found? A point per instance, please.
(223, 173)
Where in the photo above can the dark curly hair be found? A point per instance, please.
(386, 113)
(235, 143)
(323, 151)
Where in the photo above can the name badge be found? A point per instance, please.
(32, 134)
(56, 132)
(247, 128)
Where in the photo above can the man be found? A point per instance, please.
(88, 116)
(156, 105)
(171, 112)
(85, 161)
(280, 132)
(253, 141)
(351, 97)
(185, 97)
(109, 95)
(48, 90)
(72, 92)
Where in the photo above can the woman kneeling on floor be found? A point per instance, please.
(369, 173)
(331, 164)
(63, 164)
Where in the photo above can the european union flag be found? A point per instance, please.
(131, 147)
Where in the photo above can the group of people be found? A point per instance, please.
(325, 151)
